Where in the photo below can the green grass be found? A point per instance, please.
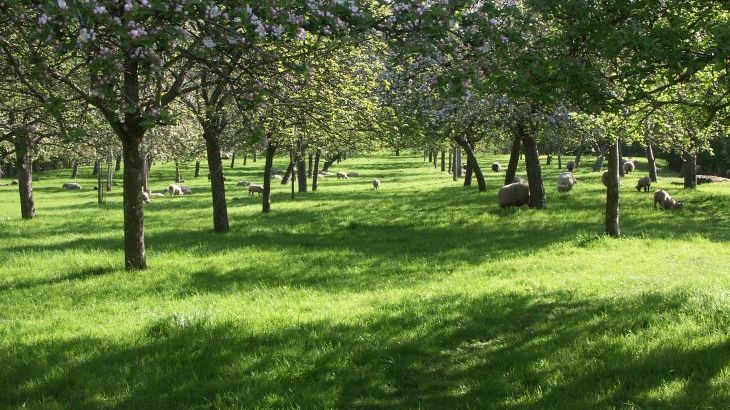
(422, 295)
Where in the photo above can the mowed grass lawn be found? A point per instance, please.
(422, 295)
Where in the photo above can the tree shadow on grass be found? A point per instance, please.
(86, 273)
(497, 351)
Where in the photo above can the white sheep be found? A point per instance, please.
(665, 200)
(643, 183)
(566, 182)
(174, 190)
(341, 175)
(376, 184)
(514, 195)
(253, 188)
(71, 186)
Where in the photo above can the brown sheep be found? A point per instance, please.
(643, 183)
(665, 200)
(253, 188)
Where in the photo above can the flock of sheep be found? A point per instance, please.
(517, 193)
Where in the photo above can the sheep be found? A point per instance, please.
(566, 182)
(629, 167)
(665, 200)
(376, 184)
(514, 195)
(253, 188)
(185, 190)
(658, 170)
(496, 167)
(71, 186)
(278, 177)
(643, 183)
(145, 197)
(243, 183)
(341, 175)
(175, 190)
(353, 174)
(570, 166)
(14, 182)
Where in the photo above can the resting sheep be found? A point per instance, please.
(253, 188)
(341, 175)
(514, 195)
(566, 182)
(643, 183)
(665, 200)
(570, 166)
(496, 167)
(629, 167)
(185, 190)
(376, 184)
(175, 190)
(71, 186)
(243, 183)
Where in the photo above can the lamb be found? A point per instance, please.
(71, 186)
(666, 201)
(341, 175)
(243, 183)
(643, 183)
(514, 195)
(629, 167)
(376, 184)
(566, 182)
(570, 166)
(175, 190)
(253, 188)
(496, 167)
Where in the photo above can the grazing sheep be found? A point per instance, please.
(496, 167)
(376, 184)
(145, 197)
(570, 166)
(514, 195)
(185, 190)
(71, 185)
(643, 183)
(566, 182)
(14, 182)
(253, 188)
(629, 167)
(517, 180)
(175, 190)
(665, 200)
(341, 175)
(243, 183)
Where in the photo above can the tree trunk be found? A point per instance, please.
(197, 169)
(266, 201)
(145, 174)
(425, 153)
(621, 161)
(134, 181)
(514, 160)
(118, 164)
(435, 158)
(473, 166)
(534, 173)
(217, 184)
(690, 171)
(397, 152)
(443, 161)
(302, 172)
(293, 175)
(109, 174)
(309, 168)
(99, 188)
(254, 157)
(454, 173)
(245, 158)
(315, 172)
(579, 155)
(549, 160)
(24, 164)
(328, 163)
(560, 161)
(451, 167)
(95, 171)
(177, 172)
(652, 162)
(289, 174)
(459, 163)
(599, 163)
(612, 192)
(74, 170)
(233, 160)
(468, 172)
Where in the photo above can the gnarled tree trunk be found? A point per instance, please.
(24, 164)
(612, 192)
(579, 155)
(690, 171)
(135, 171)
(514, 160)
(652, 162)
(74, 170)
(534, 173)
(315, 172)
(289, 174)
(217, 183)
(473, 165)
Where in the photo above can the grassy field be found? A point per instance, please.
(422, 295)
